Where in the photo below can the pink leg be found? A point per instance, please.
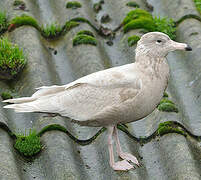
(120, 165)
(125, 156)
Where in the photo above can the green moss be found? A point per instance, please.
(97, 7)
(63, 129)
(6, 95)
(52, 127)
(132, 4)
(168, 107)
(133, 40)
(3, 22)
(166, 130)
(198, 5)
(24, 20)
(80, 19)
(73, 5)
(83, 20)
(188, 16)
(165, 100)
(141, 19)
(28, 145)
(84, 39)
(140, 23)
(166, 123)
(166, 26)
(169, 127)
(51, 31)
(138, 19)
(86, 32)
(69, 25)
(165, 94)
(135, 14)
(12, 59)
(18, 3)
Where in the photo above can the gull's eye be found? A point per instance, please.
(158, 41)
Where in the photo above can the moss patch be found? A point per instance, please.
(12, 59)
(83, 20)
(80, 19)
(141, 23)
(73, 5)
(86, 32)
(141, 19)
(18, 3)
(3, 22)
(132, 4)
(138, 19)
(136, 14)
(165, 94)
(168, 107)
(166, 26)
(165, 100)
(63, 129)
(24, 20)
(69, 25)
(51, 31)
(169, 127)
(6, 95)
(52, 127)
(28, 145)
(188, 16)
(84, 39)
(198, 5)
(133, 40)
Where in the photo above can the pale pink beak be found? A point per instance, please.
(180, 46)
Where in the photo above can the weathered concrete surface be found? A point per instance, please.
(170, 157)
(8, 164)
(175, 9)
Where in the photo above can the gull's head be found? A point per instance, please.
(158, 44)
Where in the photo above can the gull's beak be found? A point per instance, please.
(188, 48)
(180, 46)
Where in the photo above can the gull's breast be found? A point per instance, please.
(144, 103)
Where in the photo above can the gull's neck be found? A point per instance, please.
(153, 66)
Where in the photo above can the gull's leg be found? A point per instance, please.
(51, 115)
(120, 165)
(123, 155)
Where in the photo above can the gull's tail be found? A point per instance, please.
(25, 107)
(38, 102)
(20, 100)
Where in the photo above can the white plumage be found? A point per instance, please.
(117, 95)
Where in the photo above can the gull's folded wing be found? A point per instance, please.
(83, 99)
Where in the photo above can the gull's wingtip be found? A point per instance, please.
(6, 101)
(8, 106)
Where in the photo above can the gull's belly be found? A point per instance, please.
(134, 109)
(144, 103)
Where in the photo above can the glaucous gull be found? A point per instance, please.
(117, 95)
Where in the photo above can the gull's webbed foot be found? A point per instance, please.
(122, 166)
(129, 157)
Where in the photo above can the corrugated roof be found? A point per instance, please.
(171, 156)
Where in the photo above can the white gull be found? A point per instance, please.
(117, 95)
